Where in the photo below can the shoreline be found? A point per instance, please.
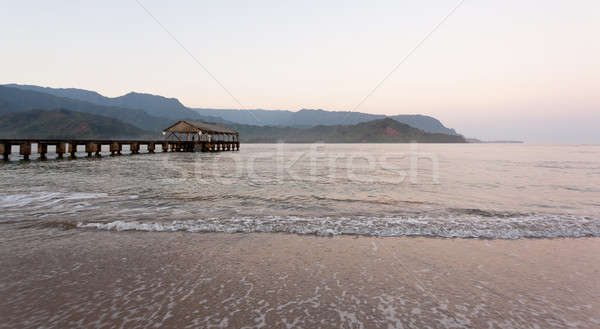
(88, 278)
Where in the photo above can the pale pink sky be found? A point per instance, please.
(495, 69)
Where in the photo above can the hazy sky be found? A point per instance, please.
(495, 69)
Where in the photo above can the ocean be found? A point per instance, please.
(305, 235)
(504, 191)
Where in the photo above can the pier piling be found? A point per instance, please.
(5, 150)
(72, 149)
(115, 148)
(90, 148)
(134, 147)
(42, 149)
(94, 147)
(25, 150)
(60, 149)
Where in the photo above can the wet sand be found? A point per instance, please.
(102, 279)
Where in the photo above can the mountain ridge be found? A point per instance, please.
(20, 100)
(172, 108)
(63, 123)
(154, 105)
(384, 130)
(311, 117)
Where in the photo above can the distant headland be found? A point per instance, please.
(475, 140)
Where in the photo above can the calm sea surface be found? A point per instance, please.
(502, 191)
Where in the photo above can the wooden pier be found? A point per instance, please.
(183, 136)
(69, 147)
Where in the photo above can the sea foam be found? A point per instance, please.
(42, 199)
(534, 226)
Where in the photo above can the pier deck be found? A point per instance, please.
(93, 147)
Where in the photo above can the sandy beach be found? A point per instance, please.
(103, 279)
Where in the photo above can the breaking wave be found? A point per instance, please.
(532, 226)
(44, 199)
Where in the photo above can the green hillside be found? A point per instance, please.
(376, 131)
(18, 100)
(63, 123)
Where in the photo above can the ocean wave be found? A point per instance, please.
(534, 226)
(44, 198)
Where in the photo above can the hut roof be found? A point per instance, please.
(207, 128)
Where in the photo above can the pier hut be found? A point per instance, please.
(202, 136)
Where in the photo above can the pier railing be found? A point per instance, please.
(93, 147)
